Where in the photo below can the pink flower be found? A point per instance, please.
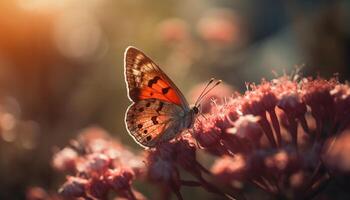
(247, 128)
(119, 179)
(317, 95)
(173, 30)
(98, 188)
(73, 187)
(336, 153)
(186, 154)
(161, 167)
(221, 27)
(36, 193)
(227, 169)
(341, 96)
(207, 134)
(65, 160)
(283, 160)
(162, 170)
(96, 163)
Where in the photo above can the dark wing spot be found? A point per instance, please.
(148, 138)
(151, 94)
(165, 90)
(160, 107)
(139, 126)
(153, 81)
(143, 62)
(148, 104)
(154, 120)
(134, 93)
(141, 109)
(145, 131)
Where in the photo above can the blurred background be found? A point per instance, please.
(61, 63)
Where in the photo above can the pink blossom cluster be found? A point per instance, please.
(97, 166)
(280, 136)
(288, 137)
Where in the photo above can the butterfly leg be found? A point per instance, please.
(191, 132)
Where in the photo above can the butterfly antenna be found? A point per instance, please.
(207, 92)
(205, 88)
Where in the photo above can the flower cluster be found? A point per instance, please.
(163, 165)
(279, 136)
(287, 137)
(98, 166)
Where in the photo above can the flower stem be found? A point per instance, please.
(276, 126)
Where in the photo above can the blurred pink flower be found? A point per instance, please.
(227, 168)
(341, 96)
(73, 187)
(97, 187)
(221, 27)
(336, 153)
(94, 164)
(65, 160)
(120, 179)
(36, 193)
(173, 30)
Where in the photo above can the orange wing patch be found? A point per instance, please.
(145, 79)
(159, 89)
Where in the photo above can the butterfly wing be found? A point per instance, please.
(159, 111)
(151, 121)
(146, 80)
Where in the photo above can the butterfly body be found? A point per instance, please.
(159, 111)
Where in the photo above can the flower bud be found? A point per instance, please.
(119, 179)
(227, 168)
(73, 187)
(65, 160)
(98, 188)
(247, 127)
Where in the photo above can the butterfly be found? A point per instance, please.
(159, 111)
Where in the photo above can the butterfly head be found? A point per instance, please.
(195, 110)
